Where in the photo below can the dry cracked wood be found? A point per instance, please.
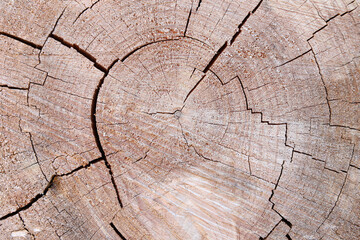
(188, 119)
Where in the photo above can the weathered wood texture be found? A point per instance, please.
(180, 119)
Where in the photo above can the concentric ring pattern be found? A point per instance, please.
(183, 119)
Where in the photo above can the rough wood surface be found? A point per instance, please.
(181, 119)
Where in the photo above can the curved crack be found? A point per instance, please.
(91, 58)
(159, 41)
(96, 133)
(94, 123)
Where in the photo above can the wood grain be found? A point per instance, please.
(180, 119)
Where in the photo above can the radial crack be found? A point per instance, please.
(24, 226)
(83, 11)
(282, 165)
(36, 156)
(289, 61)
(187, 22)
(199, 4)
(117, 231)
(223, 47)
(215, 57)
(197, 84)
(238, 31)
(52, 31)
(81, 51)
(12, 87)
(145, 156)
(24, 41)
(322, 79)
(272, 230)
(338, 196)
(48, 186)
(94, 103)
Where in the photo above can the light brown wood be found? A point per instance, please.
(180, 119)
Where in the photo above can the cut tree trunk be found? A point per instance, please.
(181, 119)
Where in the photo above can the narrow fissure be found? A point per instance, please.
(338, 196)
(117, 231)
(287, 222)
(223, 47)
(48, 186)
(83, 11)
(96, 133)
(11, 87)
(199, 4)
(24, 226)
(24, 41)
(144, 45)
(244, 21)
(94, 103)
(187, 22)
(293, 59)
(81, 51)
(36, 156)
(215, 57)
(269, 233)
(322, 79)
(193, 88)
